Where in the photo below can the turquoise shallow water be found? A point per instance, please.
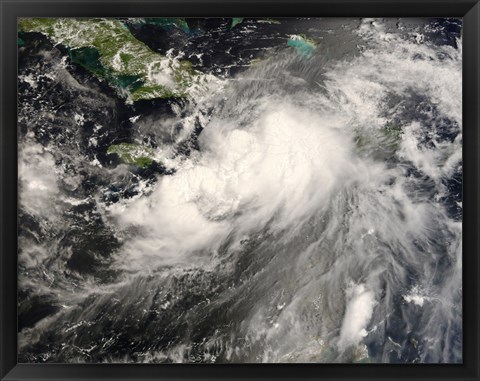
(303, 47)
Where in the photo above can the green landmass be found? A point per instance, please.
(272, 21)
(134, 154)
(392, 130)
(393, 135)
(387, 139)
(168, 23)
(108, 49)
(236, 21)
(268, 21)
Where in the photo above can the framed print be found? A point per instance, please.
(190, 194)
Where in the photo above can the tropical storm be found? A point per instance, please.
(239, 190)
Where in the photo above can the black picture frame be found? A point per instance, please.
(469, 10)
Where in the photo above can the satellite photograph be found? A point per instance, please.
(240, 190)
